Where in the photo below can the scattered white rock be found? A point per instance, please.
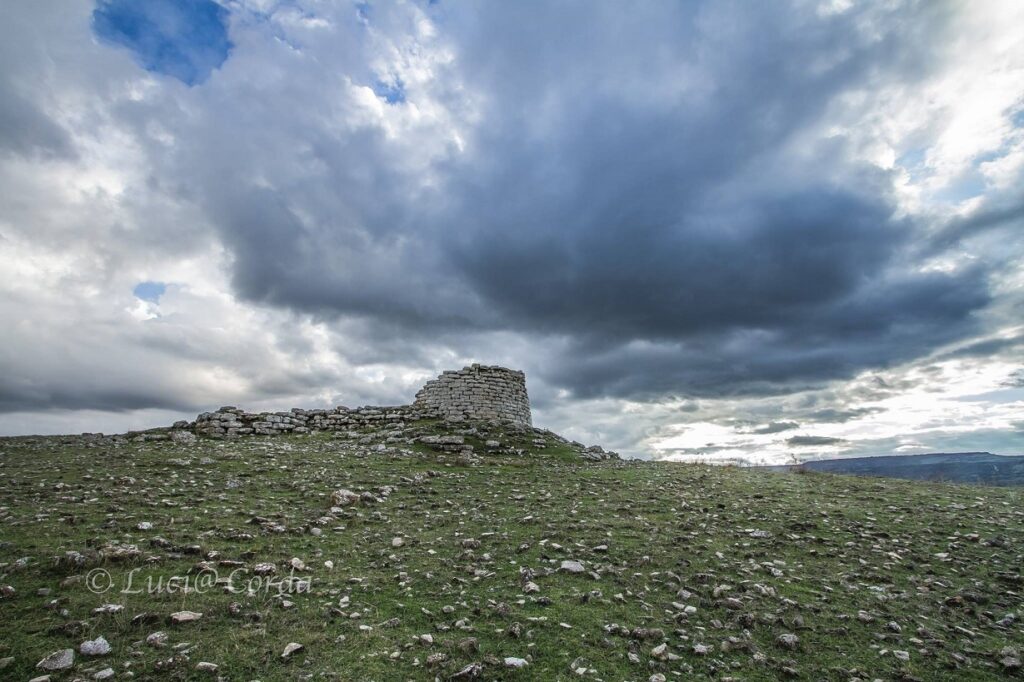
(513, 662)
(108, 608)
(469, 672)
(95, 647)
(291, 648)
(661, 653)
(344, 498)
(185, 617)
(183, 437)
(570, 566)
(58, 660)
(787, 641)
(157, 639)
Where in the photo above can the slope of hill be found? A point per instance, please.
(962, 467)
(373, 556)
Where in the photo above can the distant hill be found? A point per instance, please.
(982, 468)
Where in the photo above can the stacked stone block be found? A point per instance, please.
(231, 422)
(477, 393)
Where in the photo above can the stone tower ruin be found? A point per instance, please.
(477, 393)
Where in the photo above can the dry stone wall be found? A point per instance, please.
(474, 393)
(230, 422)
(477, 393)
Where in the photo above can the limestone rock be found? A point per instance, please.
(95, 647)
(157, 639)
(185, 617)
(344, 498)
(787, 641)
(58, 660)
(183, 437)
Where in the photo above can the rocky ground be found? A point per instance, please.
(397, 552)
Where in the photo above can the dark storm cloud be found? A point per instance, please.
(774, 427)
(21, 398)
(988, 347)
(832, 340)
(26, 130)
(708, 449)
(1002, 213)
(841, 416)
(801, 441)
(336, 267)
(707, 270)
(636, 200)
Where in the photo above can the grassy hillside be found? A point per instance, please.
(689, 572)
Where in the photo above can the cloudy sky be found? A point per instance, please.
(704, 229)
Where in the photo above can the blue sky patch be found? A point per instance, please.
(363, 12)
(912, 158)
(970, 184)
(149, 291)
(186, 39)
(392, 93)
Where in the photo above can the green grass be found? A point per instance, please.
(837, 546)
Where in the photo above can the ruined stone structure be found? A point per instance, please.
(474, 393)
(477, 393)
(229, 422)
